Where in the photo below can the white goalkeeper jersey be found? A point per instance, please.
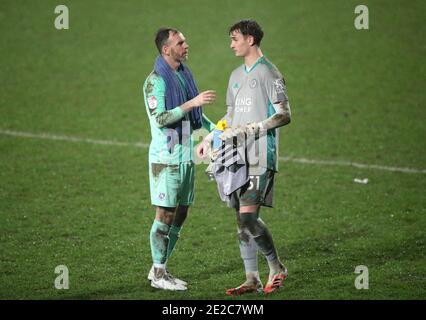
(250, 98)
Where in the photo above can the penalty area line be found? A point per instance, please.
(47, 136)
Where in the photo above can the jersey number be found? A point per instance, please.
(254, 180)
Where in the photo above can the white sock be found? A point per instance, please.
(160, 265)
(159, 270)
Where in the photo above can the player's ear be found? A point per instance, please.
(165, 50)
(250, 40)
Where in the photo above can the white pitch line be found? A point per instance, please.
(351, 164)
(48, 136)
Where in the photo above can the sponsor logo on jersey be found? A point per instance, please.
(242, 109)
(243, 104)
(243, 101)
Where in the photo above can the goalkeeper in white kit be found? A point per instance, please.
(257, 104)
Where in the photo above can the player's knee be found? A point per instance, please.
(181, 215)
(252, 222)
(165, 215)
(243, 236)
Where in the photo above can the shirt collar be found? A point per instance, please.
(247, 70)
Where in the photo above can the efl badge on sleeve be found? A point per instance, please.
(279, 85)
(152, 102)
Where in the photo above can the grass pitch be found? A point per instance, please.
(356, 96)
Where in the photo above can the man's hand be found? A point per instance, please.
(205, 97)
(203, 149)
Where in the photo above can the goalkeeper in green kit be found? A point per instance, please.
(173, 105)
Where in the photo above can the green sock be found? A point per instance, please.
(173, 238)
(159, 241)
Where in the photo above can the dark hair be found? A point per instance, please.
(162, 36)
(249, 28)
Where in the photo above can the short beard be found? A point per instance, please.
(176, 58)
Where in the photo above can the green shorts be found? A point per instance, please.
(258, 191)
(171, 185)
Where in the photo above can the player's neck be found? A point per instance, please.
(171, 62)
(252, 57)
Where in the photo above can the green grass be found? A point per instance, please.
(355, 95)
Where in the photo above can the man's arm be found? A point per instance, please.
(205, 97)
(281, 117)
(167, 117)
(155, 92)
(277, 95)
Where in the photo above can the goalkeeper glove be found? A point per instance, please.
(231, 132)
(253, 128)
(250, 129)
